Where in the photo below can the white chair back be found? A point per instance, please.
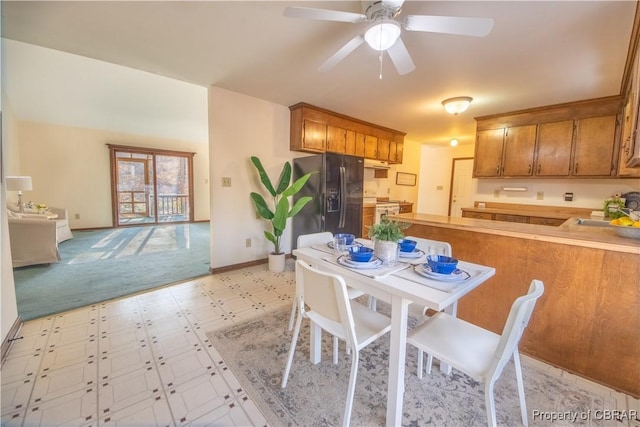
(326, 296)
(432, 246)
(306, 240)
(516, 323)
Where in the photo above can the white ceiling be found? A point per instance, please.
(538, 53)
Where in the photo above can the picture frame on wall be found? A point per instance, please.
(403, 178)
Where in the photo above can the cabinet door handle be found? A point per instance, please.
(529, 170)
(538, 168)
(575, 169)
(498, 170)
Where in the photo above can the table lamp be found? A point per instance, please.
(19, 184)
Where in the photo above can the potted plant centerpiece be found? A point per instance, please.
(278, 215)
(385, 236)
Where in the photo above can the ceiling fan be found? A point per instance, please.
(383, 32)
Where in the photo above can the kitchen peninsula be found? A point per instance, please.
(588, 320)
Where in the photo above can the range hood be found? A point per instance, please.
(375, 164)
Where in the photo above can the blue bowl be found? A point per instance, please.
(360, 253)
(348, 237)
(442, 264)
(407, 245)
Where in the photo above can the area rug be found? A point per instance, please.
(105, 264)
(256, 352)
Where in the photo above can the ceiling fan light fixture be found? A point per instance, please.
(383, 34)
(457, 105)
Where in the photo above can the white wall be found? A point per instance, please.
(435, 177)
(8, 305)
(70, 167)
(240, 127)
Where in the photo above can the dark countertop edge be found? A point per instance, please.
(565, 233)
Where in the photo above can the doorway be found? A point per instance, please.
(461, 183)
(151, 186)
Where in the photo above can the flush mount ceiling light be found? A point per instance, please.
(457, 105)
(453, 142)
(382, 34)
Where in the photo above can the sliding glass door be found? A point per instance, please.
(151, 186)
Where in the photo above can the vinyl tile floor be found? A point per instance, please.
(144, 360)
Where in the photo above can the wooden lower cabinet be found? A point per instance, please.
(546, 221)
(477, 215)
(587, 320)
(368, 216)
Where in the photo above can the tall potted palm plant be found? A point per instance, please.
(278, 214)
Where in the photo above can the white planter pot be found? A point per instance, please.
(387, 251)
(276, 262)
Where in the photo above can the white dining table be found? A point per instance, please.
(400, 287)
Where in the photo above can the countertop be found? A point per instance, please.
(568, 233)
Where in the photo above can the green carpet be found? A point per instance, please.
(100, 265)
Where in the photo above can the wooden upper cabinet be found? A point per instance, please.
(595, 146)
(314, 136)
(553, 152)
(519, 147)
(399, 152)
(488, 153)
(576, 139)
(360, 144)
(336, 140)
(350, 142)
(370, 147)
(383, 149)
(317, 130)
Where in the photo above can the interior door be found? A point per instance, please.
(461, 186)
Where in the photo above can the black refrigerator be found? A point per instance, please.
(336, 191)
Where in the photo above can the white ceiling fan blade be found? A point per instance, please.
(478, 27)
(400, 57)
(323, 15)
(341, 53)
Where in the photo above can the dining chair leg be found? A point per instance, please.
(490, 403)
(523, 403)
(292, 316)
(335, 350)
(352, 388)
(420, 362)
(292, 349)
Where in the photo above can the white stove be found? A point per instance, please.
(385, 208)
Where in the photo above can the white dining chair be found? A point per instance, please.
(477, 352)
(329, 307)
(306, 240)
(430, 247)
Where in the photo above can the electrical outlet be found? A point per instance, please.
(540, 195)
(247, 243)
(226, 181)
(77, 216)
(496, 193)
(439, 187)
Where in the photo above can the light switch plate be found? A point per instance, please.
(226, 181)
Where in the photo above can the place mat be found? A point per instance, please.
(410, 274)
(375, 273)
(323, 248)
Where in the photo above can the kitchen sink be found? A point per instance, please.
(593, 222)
